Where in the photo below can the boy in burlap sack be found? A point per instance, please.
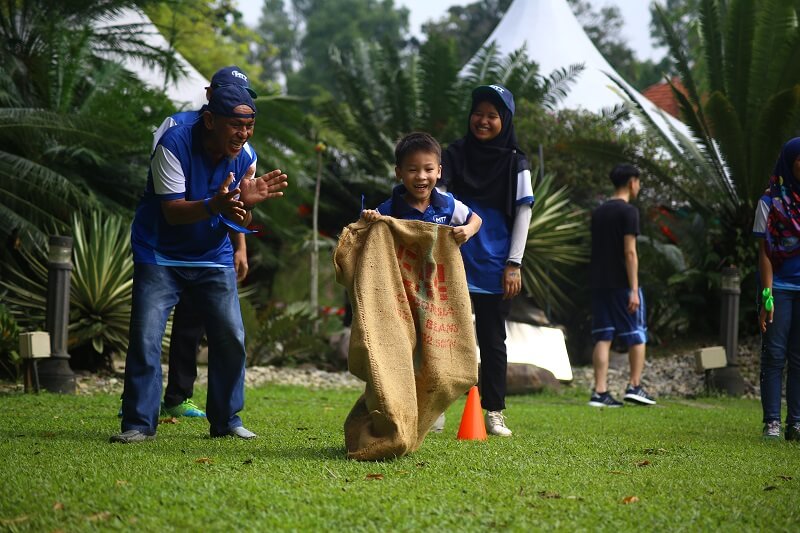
(412, 337)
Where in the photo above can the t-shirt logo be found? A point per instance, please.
(440, 220)
(237, 74)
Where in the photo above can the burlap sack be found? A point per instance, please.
(412, 337)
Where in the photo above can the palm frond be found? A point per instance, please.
(712, 37)
(484, 66)
(557, 84)
(556, 240)
(774, 29)
(739, 32)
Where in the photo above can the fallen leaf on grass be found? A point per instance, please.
(58, 506)
(99, 517)
(121, 483)
(643, 463)
(630, 499)
(11, 521)
(547, 495)
(170, 420)
(204, 460)
(770, 487)
(785, 478)
(374, 476)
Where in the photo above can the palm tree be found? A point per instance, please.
(67, 143)
(753, 106)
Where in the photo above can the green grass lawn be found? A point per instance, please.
(693, 465)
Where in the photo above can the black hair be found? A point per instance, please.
(417, 141)
(621, 174)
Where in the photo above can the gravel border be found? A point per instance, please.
(672, 375)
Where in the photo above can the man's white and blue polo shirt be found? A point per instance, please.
(180, 169)
(443, 209)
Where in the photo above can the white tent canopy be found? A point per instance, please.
(188, 90)
(554, 39)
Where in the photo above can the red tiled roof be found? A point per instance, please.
(661, 95)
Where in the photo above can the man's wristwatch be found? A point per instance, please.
(513, 263)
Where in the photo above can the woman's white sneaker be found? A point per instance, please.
(496, 424)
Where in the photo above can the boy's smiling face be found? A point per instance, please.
(419, 171)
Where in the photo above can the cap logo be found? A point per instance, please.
(495, 87)
(237, 74)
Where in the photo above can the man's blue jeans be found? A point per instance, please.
(156, 290)
(781, 343)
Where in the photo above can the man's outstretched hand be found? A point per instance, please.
(269, 185)
(225, 202)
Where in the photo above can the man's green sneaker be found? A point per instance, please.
(185, 408)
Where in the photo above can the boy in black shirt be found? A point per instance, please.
(617, 301)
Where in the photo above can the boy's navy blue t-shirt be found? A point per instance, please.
(444, 209)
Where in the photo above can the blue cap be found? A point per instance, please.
(231, 75)
(227, 98)
(496, 91)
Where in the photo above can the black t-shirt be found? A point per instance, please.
(610, 223)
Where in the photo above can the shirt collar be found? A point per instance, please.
(401, 207)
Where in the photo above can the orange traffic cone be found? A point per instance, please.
(472, 426)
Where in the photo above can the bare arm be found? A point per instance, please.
(765, 270)
(239, 254)
(464, 233)
(191, 211)
(632, 268)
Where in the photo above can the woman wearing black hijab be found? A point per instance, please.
(487, 171)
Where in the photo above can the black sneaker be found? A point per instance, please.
(603, 400)
(638, 395)
(792, 431)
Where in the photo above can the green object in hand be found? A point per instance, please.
(769, 301)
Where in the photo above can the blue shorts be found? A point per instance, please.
(610, 317)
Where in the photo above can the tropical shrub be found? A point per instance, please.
(100, 289)
(557, 240)
(9, 342)
(287, 337)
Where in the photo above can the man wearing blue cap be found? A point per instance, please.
(195, 194)
(187, 327)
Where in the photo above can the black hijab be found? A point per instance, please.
(487, 171)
